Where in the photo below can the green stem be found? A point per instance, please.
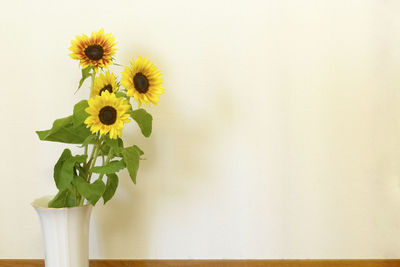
(78, 197)
(96, 154)
(109, 157)
(92, 160)
(89, 164)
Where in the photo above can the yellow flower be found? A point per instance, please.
(104, 82)
(96, 50)
(107, 114)
(143, 81)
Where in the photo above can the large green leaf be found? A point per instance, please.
(57, 168)
(71, 200)
(80, 114)
(131, 157)
(67, 171)
(111, 187)
(104, 150)
(59, 200)
(92, 192)
(57, 125)
(111, 167)
(64, 198)
(138, 150)
(116, 144)
(144, 120)
(63, 131)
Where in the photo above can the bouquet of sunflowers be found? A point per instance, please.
(97, 123)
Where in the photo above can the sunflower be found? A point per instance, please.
(96, 50)
(104, 82)
(143, 81)
(107, 114)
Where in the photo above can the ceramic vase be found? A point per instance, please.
(65, 234)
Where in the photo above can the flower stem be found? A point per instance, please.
(89, 165)
(93, 160)
(109, 157)
(95, 151)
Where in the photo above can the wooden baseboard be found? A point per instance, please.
(217, 263)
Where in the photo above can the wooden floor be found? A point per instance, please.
(217, 263)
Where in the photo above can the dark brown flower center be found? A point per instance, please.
(108, 88)
(94, 52)
(108, 115)
(141, 83)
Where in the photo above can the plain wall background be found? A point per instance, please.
(277, 136)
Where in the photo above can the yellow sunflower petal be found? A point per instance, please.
(143, 81)
(96, 51)
(104, 82)
(107, 114)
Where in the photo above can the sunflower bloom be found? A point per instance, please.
(104, 82)
(107, 114)
(143, 81)
(96, 51)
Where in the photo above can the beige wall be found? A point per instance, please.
(277, 137)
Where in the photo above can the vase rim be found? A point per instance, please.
(42, 203)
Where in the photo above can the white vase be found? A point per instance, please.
(65, 234)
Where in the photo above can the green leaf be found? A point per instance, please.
(57, 125)
(144, 120)
(131, 157)
(111, 167)
(138, 150)
(64, 198)
(120, 94)
(92, 192)
(57, 168)
(63, 131)
(59, 200)
(111, 187)
(104, 150)
(116, 144)
(85, 74)
(80, 114)
(67, 171)
(82, 171)
(71, 200)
